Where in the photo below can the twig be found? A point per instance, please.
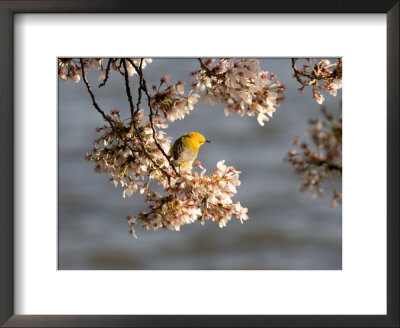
(297, 74)
(312, 76)
(128, 93)
(330, 166)
(209, 72)
(140, 87)
(204, 66)
(107, 73)
(120, 64)
(144, 88)
(97, 107)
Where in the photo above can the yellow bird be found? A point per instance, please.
(185, 149)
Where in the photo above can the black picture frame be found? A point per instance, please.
(7, 11)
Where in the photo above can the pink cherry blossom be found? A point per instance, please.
(321, 75)
(135, 162)
(241, 85)
(172, 102)
(324, 163)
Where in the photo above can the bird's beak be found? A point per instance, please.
(209, 141)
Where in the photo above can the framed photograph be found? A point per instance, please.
(182, 165)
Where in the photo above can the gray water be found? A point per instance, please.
(286, 229)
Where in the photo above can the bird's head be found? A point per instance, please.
(197, 139)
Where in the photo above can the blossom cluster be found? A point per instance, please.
(321, 75)
(130, 155)
(326, 162)
(123, 151)
(69, 68)
(139, 62)
(134, 152)
(241, 85)
(193, 197)
(171, 101)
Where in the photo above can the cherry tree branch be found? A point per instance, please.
(140, 86)
(132, 108)
(297, 74)
(97, 107)
(128, 93)
(143, 87)
(107, 73)
(204, 66)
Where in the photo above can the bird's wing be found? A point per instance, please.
(178, 148)
(187, 155)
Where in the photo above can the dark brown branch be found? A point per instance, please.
(204, 66)
(297, 74)
(209, 72)
(152, 127)
(330, 166)
(95, 105)
(335, 167)
(312, 76)
(120, 64)
(144, 88)
(118, 68)
(128, 93)
(140, 87)
(107, 73)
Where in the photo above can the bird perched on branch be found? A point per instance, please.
(185, 149)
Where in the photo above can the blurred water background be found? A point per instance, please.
(286, 229)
